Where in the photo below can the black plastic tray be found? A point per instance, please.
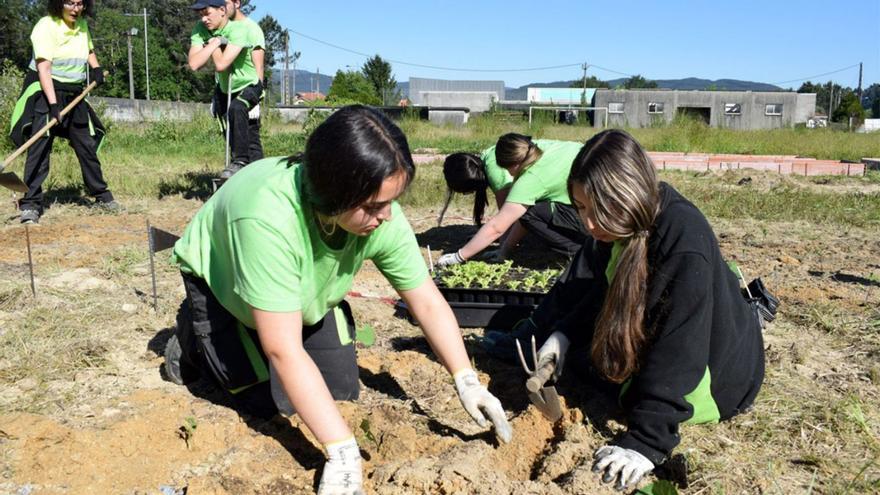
(486, 308)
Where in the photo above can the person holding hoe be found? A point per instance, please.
(654, 309)
(528, 180)
(64, 62)
(266, 264)
(230, 46)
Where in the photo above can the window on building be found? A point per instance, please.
(654, 107)
(615, 107)
(773, 109)
(732, 109)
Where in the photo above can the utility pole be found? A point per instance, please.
(129, 33)
(147, 53)
(584, 94)
(293, 89)
(830, 100)
(146, 47)
(285, 93)
(860, 83)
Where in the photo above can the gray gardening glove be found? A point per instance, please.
(625, 465)
(342, 471)
(477, 400)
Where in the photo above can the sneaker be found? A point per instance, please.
(176, 371)
(111, 206)
(231, 170)
(30, 217)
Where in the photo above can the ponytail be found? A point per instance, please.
(620, 334)
(466, 173)
(620, 182)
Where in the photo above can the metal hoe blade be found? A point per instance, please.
(11, 181)
(543, 396)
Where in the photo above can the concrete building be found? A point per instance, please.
(728, 109)
(478, 96)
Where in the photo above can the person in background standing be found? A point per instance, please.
(64, 61)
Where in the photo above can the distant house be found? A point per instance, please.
(309, 96)
(728, 109)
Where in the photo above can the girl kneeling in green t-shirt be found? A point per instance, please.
(268, 260)
(528, 179)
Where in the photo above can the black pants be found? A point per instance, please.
(222, 348)
(36, 168)
(557, 225)
(244, 132)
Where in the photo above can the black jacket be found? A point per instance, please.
(700, 325)
(33, 111)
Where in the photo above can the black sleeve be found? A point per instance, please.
(681, 290)
(574, 301)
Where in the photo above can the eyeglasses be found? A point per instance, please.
(73, 5)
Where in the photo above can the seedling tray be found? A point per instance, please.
(490, 308)
(486, 308)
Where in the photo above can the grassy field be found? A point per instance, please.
(155, 161)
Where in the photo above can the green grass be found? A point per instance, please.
(167, 158)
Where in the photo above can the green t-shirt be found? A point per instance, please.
(256, 38)
(257, 244)
(547, 178)
(243, 71)
(498, 177)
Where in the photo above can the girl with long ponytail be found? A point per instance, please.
(652, 306)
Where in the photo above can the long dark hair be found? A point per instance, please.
(348, 157)
(56, 8)
(620, 182)
(465, 173)
(515, 149)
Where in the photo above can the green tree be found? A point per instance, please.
(275, 39)
(21, 15)
(378, 73)
(637, 81)
(591, 82)
(849, 107)
(352, 86)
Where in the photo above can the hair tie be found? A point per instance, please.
(642, 233)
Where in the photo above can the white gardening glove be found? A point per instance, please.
(342, 471)
(554, 349)
(450, 259)
(477, 400)
(625, 465)
(254, 113)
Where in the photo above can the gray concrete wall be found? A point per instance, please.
(805, 108)
(797, 108)
(126, 110)
(476, 101)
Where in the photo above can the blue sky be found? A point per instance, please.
(777, 42)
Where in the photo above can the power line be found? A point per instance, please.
(455, 69)
(815, 76)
